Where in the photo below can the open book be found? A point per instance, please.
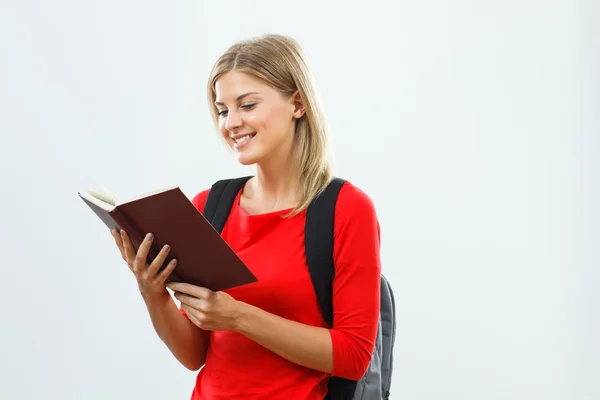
(203, 257)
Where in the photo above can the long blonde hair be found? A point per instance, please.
(279, 61)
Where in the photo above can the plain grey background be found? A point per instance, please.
(473, 125)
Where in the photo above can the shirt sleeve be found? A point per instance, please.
(199, 200)
(356, 285)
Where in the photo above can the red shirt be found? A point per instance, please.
(273, 248)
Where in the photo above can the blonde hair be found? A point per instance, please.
(279, 61)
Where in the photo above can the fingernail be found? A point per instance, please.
(122, 232)
(149, 236)
(166, 247)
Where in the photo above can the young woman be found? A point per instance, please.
(268, 340)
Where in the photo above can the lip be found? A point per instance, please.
(239, 135)
(240, 145)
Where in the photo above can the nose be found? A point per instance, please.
(233, 121)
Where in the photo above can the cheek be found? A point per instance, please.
(222, 128)
(225, 134)
(272, 124)
(258, 121)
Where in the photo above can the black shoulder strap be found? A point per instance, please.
(318, 243)
(220, 199)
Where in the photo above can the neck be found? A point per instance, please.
(276, 184)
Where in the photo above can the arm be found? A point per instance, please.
(357, 283)
(187, 342)
(306, 345)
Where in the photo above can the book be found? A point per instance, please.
(204, 258)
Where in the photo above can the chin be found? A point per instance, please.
(247, 159)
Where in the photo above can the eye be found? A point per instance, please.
(249, 106)
(222, 113)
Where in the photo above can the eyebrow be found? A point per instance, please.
(239, 98)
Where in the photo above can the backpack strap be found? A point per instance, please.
(318, 243)
(220, 199)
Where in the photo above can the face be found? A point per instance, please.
(257, 122)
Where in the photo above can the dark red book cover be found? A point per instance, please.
(203, 257)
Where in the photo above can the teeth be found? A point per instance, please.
(243, 139)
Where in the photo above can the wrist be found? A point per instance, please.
(244, 314)
(156, 299)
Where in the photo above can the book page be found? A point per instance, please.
(148, 194)
(103, 195)
(96, 200)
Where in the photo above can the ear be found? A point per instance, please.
(298, 103)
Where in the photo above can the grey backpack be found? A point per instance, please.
(318, 240)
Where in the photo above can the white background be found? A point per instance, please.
(473, 125)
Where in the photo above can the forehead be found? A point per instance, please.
(233, 84)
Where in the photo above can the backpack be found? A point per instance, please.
(318, 239)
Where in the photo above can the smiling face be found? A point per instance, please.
(257, 122)
(263, 88)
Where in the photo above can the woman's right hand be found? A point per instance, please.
(151, 281)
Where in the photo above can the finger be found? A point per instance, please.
(139, 263)
(127, 248)
(158, 261)
(179, 287)
(192, 290)
(118, 242)
(164, 274)
(191, 301)
(195, 316)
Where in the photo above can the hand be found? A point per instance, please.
(150, 281)
(208, 310)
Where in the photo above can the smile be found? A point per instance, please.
(241, 141)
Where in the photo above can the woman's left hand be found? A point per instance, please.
(208, 310)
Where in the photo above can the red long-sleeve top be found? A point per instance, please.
(273, 248)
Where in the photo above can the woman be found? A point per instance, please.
(268, 340)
